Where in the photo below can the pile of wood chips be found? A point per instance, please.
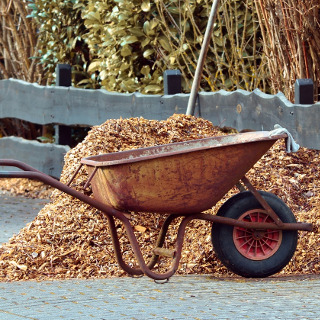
(25, 187)
(70, 239)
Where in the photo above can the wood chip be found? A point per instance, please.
(70, 239)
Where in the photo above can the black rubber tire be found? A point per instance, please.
(226, 250)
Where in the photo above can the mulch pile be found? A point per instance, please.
(69, 239)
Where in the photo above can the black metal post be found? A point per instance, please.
(172, 81)
(63, 79)
(303, 93)
(63, 75)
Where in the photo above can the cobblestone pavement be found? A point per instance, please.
(183, 297)
(15, 213)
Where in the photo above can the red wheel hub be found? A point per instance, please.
(256, 244)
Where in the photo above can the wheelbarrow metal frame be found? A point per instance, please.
(111, 213)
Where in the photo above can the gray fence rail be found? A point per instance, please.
(72, 106)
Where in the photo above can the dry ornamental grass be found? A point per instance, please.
(70, 239)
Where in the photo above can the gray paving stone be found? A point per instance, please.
(15, 213)
(182, 298)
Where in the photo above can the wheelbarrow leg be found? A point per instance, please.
(133, 241)
(144, 268)
(118, 254)
(161, 238)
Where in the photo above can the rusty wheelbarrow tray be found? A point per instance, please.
(185, 179)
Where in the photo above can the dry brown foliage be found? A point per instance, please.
(18, 42)
(291, 37)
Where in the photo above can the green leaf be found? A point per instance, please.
(32, 6)
(129, 40)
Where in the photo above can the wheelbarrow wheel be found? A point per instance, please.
(254, 253)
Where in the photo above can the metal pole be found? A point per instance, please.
(202, 57)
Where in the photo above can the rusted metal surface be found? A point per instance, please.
(176, 178)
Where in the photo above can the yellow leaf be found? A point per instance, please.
(126, 51)
(172, 60)
(152, 88)
(148, 53)
(94, 66)
(124, 66)
(93, 16)
(146, 6)
(129, 40)
(165, 43)
(145, 70)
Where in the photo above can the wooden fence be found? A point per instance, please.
(72, 106)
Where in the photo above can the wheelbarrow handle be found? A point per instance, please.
(111, 213)
(31, 173)
(15, 163)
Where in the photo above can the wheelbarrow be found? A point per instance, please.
(254, 233)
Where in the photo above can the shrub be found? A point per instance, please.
(133, 42)
(60, 32)
(291, 38)
(18, 42)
